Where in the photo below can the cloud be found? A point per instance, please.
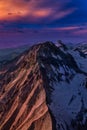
(35, 19)
(69, 28)
(32, 10)
(62, 13)
(81, 32)
(11, 9)
(68, 31)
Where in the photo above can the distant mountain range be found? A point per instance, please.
(11, 53)
(44, 88)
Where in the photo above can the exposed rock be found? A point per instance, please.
(22, 96)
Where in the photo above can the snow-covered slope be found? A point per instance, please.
(67, 87)
(82, 49)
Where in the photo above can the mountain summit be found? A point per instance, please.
(45, 88)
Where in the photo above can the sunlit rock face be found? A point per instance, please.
(45, 88)
(22, 95)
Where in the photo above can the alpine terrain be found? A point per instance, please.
(45, 88)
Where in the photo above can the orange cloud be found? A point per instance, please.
(10, 9)
(16, 9)
(42, 13)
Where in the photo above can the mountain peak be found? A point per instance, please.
(40, 90)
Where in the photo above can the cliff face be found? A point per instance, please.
(22, 95)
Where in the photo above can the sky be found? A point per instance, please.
(32, 21)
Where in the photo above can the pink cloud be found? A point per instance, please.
(62, 13)
(80, 32)
(63, 29)
(69, 28)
